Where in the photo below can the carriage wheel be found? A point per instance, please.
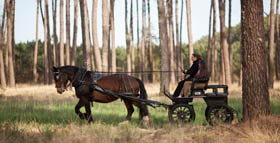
(219, 114)
(181, 113)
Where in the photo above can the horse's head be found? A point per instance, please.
(61, 79)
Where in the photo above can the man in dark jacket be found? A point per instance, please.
(191, 72)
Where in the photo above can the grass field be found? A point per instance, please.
(32, 113)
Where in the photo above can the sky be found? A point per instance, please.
(25, 20)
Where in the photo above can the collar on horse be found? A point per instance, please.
(79, 77)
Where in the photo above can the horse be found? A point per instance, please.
(82, 80)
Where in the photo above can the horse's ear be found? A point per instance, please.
(55, 69)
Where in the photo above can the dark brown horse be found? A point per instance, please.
(83, 81)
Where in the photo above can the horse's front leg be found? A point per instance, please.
(77, 109)
(88, 112)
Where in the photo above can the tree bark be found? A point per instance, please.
(94, 36)
(164, 82)
(114, 58)
(214, 49)
(170, 41)
(150, 43)
(105, 28)
(2, 67)
(35, 58)
(61, 41)
(46, 60)
(277, 42)
(178, 54)
(138, 39)
(143, 44)
(209, 50)
(67, 46)
(85, 35)
(128, 57)
(255, 95)
(224, 44)
(230, 39)
(271, 46)
(54, 36)
(75, 33)
(189, 23)
(132, 40)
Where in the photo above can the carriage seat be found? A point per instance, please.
(195, 88)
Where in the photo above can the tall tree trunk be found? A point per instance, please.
(67, 46)
(230, 39)
(138, 39)
(55, 47)
(128, 57)
(35, 58)
(178, 55)
(170, 42)
(75, 32)
(105, 28)
(61, 41)
(224, 45)
(271, 45)
(94, 36)
(46, 60)
(114, 58)
(209, 50)
(2, 68)
(85, 34)
(164, 82)
(143, 44)
(13, 28)
(10, 24)
(181, 45)
(189, 23)
(277, 42)
(132, 39)
(150, 43)
(50, 51)
(214, 49)
(255, 95)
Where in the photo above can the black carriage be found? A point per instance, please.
(216, 98)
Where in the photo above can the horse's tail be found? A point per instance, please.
(143, 95)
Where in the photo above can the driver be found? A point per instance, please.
(191, 72)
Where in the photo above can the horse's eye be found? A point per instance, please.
(57, 77)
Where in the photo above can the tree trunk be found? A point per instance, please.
(55, 47)
(46, 60)
(94, 36)
(150, 43)
(224, 45)
(85, 34)
(209, 51)
(128, 58)
(170, 42)
(271, 46)
(50, 51)
(178, 55)
(105, 28)
(132, 40)
(2, 68)
(67, 46)
(189, 23)
(114, 58)
(164, 82)
(214, 49)
(61, 41)
(230, 39)
(255, 95)
(277, 42)
(35, 74)
(138, 40)
(143, 44)
(75, 32)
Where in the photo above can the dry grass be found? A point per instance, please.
(265, 129)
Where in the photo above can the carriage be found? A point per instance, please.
(110, 88)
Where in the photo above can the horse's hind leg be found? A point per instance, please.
(129, 108)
